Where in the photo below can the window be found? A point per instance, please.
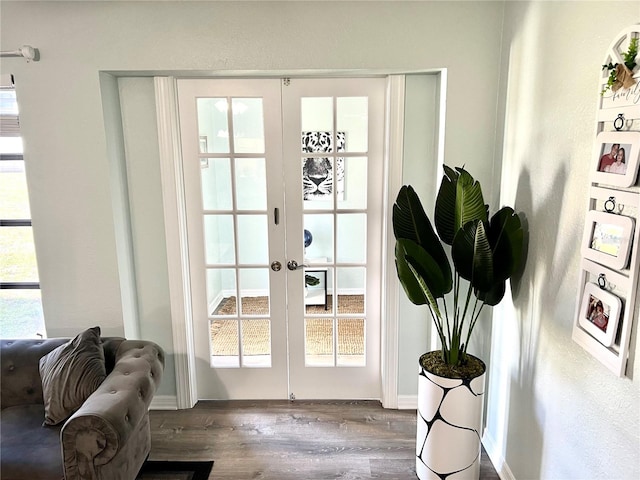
(20, 301)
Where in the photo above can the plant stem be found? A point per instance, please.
(456, 310)
(466, 308)
(446, 316)
(472, 325)
(438, 323)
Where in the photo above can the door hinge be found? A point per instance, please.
(286, 81)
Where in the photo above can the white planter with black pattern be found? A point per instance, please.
(449, 427)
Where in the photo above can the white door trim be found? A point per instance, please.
(175, 224)
(390, 284)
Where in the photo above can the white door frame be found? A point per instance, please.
(175, 226)
(177, 250)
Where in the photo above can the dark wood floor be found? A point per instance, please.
(301, 440)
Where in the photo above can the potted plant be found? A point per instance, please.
(310, 280)
(485, 252)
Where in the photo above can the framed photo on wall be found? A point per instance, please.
(600, 313)
(617, 156)
(607, 238)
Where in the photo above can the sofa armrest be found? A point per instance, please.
(101, 427)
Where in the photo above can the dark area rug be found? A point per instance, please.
(158, 470)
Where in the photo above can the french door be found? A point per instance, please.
(283, 194)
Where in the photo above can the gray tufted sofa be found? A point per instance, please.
(107, 438)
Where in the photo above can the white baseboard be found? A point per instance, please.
(164, 402)
(407, 402)
(499, 463)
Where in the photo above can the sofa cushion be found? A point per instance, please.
(29, 450)
(71, 373)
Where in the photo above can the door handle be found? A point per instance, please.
(276, 266)
(293, 265)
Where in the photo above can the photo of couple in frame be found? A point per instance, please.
(599, 314)
(617, 156)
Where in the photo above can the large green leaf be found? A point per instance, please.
(437, 284)
(471, 253)
(431, 300)
(409, 283)
(411, 222)
(409, 218)
(506, 237)
(469, 201)
(444, 216)
(459, 201)
(494, 296)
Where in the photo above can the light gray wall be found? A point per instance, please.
(137, 101)
(420, 170)
(554, 412)
(74, 169)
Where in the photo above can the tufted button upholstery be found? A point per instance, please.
(113, 422)
(20, 382)
(135, 360)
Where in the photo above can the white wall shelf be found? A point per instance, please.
(623, 206)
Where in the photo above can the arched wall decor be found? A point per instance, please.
(607, 303)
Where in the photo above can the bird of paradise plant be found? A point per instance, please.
(485, 251)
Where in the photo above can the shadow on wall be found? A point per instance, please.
(534, 290)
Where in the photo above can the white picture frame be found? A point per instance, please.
(606, 169)
(607, 239)
(600, 313)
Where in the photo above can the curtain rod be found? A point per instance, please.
(26, 51)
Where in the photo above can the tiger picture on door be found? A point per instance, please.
(318, 174)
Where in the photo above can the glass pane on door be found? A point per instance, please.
(213, 125)
(352, 116)
(318, 342)
(319, 247)
(352, 188)
(251, 184)
(219, 239)
(318, 298)
(225, 348)
(351, 283)
(221, 291)
(351, 342)
(254, 291)
(256, 343)
(248, 125)
(317, 115)
(351, 237)
(253, 239)
(216, 183)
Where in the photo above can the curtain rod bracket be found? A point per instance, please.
(26, 51)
